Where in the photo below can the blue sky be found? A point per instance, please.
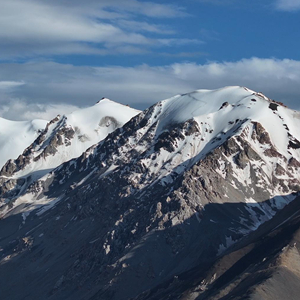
(58, 55)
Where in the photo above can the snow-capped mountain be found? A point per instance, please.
(63, 138)
(149, 211)
(15, 136)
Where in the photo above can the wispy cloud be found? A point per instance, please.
(179, 42)
(48, 84)
(22, 110)
(6, 85)
(31, 27)
(288, 5)
(183, 54)
(144, 27)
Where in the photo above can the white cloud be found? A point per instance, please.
(22, 110)
(179, 42)
(147, 8)
(288, 5)
(10, 84)
(48, 85)
(144, 26)
(31, 27)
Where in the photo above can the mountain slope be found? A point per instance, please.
(64, 138)
(263, 265)
(174, 188)
(15, 136)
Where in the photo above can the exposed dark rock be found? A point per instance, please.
(225, 104)
(272, 152)
(241, 160)
(107, 121)
(294, 163)
(250, 153)
(273, 106)
(191, 127)
(279, 170)
(261, 134)
(294, 144)
(286, 127)
(230, 147)
(8, 169)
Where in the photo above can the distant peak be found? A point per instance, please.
(104, 99)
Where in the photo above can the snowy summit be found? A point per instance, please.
(140, 200)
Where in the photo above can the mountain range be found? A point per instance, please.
(196, 197)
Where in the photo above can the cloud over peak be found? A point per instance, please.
(51, 86)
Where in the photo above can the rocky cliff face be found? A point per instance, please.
(149, 212)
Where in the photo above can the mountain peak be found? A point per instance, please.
(15, 136)
(216, 111)
(63, 138)
(107, 101)
(156, 202)
(104, 99)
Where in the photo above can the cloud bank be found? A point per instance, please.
(48, 88)
(30, 28)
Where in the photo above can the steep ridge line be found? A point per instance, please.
(175, 187)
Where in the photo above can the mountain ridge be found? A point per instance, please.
(15, 136)
(64, 138)
(177, 186)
